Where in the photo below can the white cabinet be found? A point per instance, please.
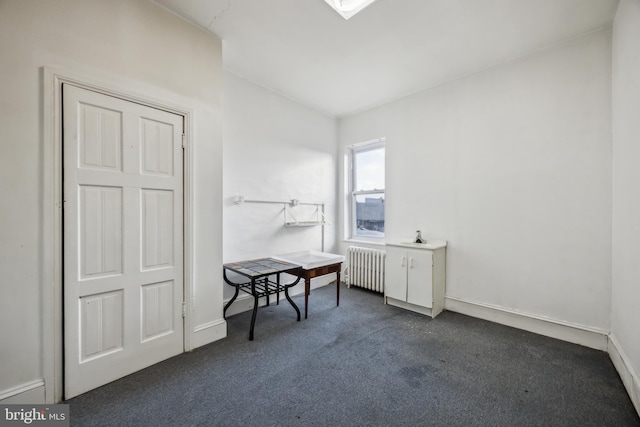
(415, 277)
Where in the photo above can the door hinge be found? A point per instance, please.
(184, 141)
(184, 309)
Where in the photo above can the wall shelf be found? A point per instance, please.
(290, 220)
(303, 223)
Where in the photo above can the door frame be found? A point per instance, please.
(52, 237)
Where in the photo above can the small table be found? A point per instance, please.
(259, 285)
(316, 272)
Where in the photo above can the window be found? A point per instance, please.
(367, 190)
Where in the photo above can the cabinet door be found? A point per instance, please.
(419, 277)
(395, 282)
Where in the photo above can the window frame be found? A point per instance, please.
(353, 151)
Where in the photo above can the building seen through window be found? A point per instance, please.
(370, 216)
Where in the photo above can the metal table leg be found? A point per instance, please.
(260, 286)
(255, 308)
(235, 295)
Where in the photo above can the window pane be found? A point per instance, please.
(369, 215)
(369, 170)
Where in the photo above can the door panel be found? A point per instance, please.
(123, 273)
(395, 268)
(157, 229)
(100, 243)
(101, 321)
(157, 309)
(157, 148)
(419, 277)
(101, 138)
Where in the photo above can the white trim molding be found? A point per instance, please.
(565, 331)
(628, 374)
(208, 333)
(97, 81)
(31, 393)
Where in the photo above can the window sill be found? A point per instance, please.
(365, 242)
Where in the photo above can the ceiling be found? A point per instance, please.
(305, 51)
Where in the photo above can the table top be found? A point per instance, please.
(260, 267)
(311, 259)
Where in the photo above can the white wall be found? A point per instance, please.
(274, 150)
(625, 306)
(512, 166)
(131, 45)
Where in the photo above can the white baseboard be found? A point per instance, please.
(30, 393)
(577, 334)
(208, 333)
(625, 369)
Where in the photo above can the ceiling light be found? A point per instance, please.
(348, 8)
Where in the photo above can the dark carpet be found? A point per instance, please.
(367, 364)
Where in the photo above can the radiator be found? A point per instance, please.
(366, 268)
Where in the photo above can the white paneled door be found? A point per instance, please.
(123, 236)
